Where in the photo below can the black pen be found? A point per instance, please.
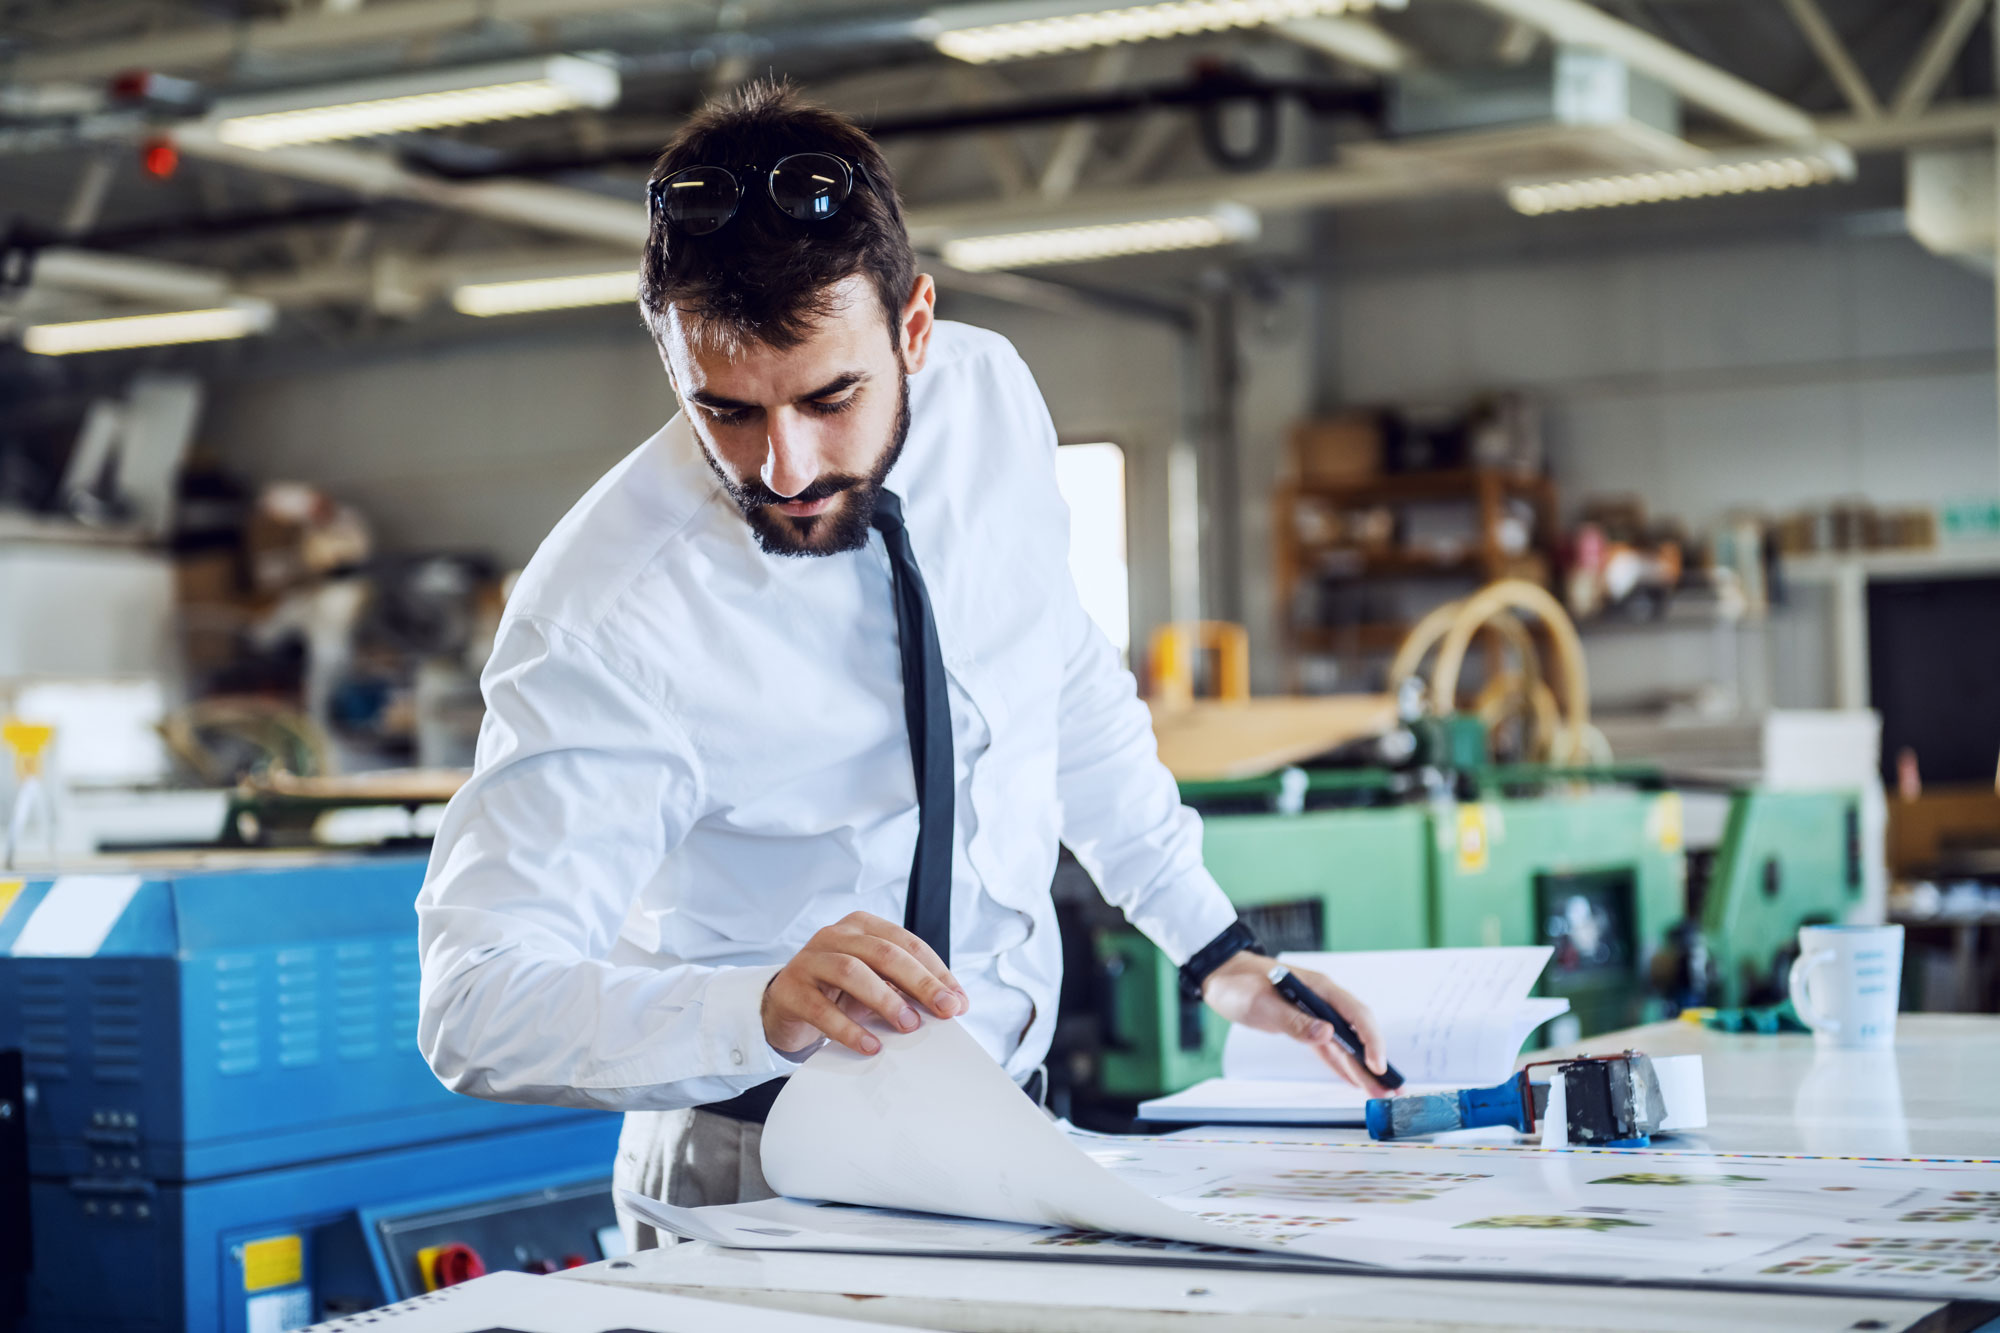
(1306, 998)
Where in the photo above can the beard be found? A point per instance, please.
(843, 527)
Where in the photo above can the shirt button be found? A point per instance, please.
(736, 1056)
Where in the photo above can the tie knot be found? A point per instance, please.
(888, 513)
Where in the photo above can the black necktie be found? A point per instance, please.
(927, 709)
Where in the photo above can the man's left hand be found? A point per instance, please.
(1240, 990)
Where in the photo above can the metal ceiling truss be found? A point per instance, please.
(1029, 187)
(1832, 53)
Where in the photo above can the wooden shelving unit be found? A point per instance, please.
(1487, 490)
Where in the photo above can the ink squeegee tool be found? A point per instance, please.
(1510, 1103)
(1601, 1101)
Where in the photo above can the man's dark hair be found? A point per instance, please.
(765, 276)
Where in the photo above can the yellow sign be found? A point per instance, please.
(1473, 840)
(10, 889)
(278, 1261)
(1668, 825)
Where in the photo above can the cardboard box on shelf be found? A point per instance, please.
(1336, 450)
(207, 576)
(1925, 829)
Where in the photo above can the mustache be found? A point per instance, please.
(754, 494)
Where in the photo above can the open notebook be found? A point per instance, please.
(1452, 1018)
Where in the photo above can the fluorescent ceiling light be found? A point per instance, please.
(218, 324)
(982, 33)
(422, 102)
(516, 298)
(1819, 165)
(1222, 225)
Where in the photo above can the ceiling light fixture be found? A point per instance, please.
(425, 102)
(1225, 224)
(531, 294)
(237, 320)
(981, 34)
(1819, 165)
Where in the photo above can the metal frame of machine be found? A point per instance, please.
(1589, 859)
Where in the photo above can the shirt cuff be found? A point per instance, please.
(733, 1023)
(1186, 916)
(804, 1053)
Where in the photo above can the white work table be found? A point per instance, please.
(1932, 1096)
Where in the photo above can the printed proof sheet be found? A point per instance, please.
(928, 1148)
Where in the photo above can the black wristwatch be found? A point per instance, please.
(1232, 941)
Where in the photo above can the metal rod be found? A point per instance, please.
(1734, 99)
(1832, 52)
(1947, 39)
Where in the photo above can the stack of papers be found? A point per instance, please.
(1451, 1018)
(873, 1154)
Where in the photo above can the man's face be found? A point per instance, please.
(803, 436)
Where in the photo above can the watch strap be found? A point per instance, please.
(1234, 939)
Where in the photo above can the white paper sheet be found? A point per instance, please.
(1242, 1101)
(900, 1142)
(1918, 1228)
(531, 1304)
(793, 1224)
(1453, 1016)
(1684, 1090)
(933, 1124)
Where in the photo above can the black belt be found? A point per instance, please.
(754, 1107)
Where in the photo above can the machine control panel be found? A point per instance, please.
(542, 1231)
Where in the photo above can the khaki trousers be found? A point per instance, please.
(689, 1158)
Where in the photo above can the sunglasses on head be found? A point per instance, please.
(809, 187)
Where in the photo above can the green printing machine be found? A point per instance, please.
(1590, 861)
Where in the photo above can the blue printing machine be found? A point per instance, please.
(228, 1125)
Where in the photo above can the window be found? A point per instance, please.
(1092, 480)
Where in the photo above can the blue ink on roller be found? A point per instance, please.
(1611, 1101)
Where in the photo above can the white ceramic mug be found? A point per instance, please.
(1846, 983)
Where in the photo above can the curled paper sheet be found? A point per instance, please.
(933, 1125)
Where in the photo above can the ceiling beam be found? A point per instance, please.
(551, 208)
(1734, 99)
(1273, 190)
(1440, 166)
(1832, 53)
(1954, 122)
(153, 281)
(1352, 41)
(1078, 138)
(304, 30)
(1933, 62)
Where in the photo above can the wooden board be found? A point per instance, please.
(1212, 740)
(392, 786)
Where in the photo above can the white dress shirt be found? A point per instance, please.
(694, 757)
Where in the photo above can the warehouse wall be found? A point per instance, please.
(1765, 374)
(1769, 374)
(485, 447)
(478, 448)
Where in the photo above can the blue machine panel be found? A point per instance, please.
(238, 1056)
(169, 1258)
(233, 1021)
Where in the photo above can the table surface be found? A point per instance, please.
(1931, 1096)
(1935, 1094)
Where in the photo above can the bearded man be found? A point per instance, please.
(787, 718)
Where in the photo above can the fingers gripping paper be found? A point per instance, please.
(933, 1125)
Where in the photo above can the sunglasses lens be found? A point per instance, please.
(699, 199)
(810, 186)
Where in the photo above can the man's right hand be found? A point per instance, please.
(858, 963)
